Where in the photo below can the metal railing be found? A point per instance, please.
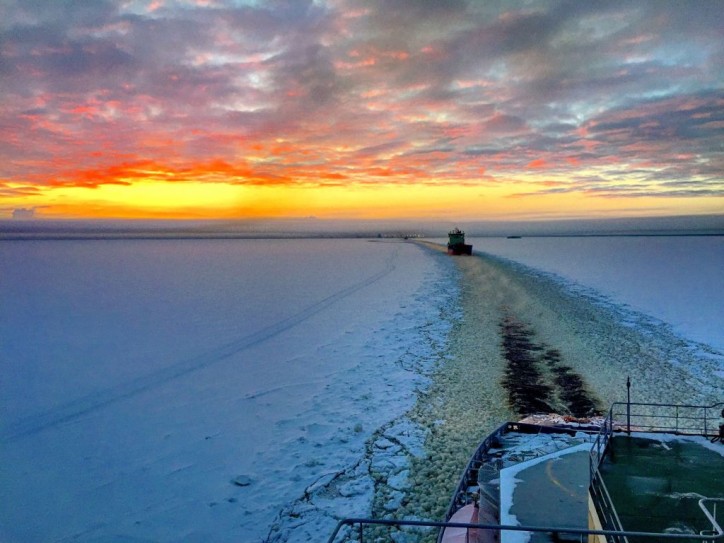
(554, 531)
(605, 508)
(655, 418)
(698, 420)
(711, 515)
(600, 444)
(639, 417)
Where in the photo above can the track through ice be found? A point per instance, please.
(69, 411)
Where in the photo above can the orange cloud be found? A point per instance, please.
(537, 164)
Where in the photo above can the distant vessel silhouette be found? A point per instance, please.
(456, 243)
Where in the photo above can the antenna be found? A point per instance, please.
(628, 404)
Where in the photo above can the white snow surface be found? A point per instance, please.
(676, 279)
(193, 390)
(187, 390)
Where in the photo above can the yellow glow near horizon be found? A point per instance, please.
(160, 199)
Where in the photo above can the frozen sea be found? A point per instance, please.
(676, 279)
(191, 390)
(185, 390)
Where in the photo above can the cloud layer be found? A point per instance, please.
(608, 99)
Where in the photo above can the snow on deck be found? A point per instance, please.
(550, 490)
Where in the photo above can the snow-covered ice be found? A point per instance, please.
(676, 279)
(188, 390)
(250, 390)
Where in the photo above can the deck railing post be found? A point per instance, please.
(677, 419)
(628, 405)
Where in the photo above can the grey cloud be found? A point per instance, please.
(381, 148)
(24, 213)
(506, 82)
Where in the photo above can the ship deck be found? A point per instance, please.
(656, 481)
(548, 491)
(538, 479)
(655, 477)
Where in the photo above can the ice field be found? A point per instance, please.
(258, 390)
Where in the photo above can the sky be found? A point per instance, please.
(361, 109)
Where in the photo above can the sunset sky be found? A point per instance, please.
(357, 109)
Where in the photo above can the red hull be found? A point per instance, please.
(460, 249)
(470, 514)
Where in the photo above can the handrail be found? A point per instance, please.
(719, 536)
(598, 450)
(599, 495)
(712, 518)
(597, 454)
(704, 418)
(601, 442)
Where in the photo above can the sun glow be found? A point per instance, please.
(189, 199)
